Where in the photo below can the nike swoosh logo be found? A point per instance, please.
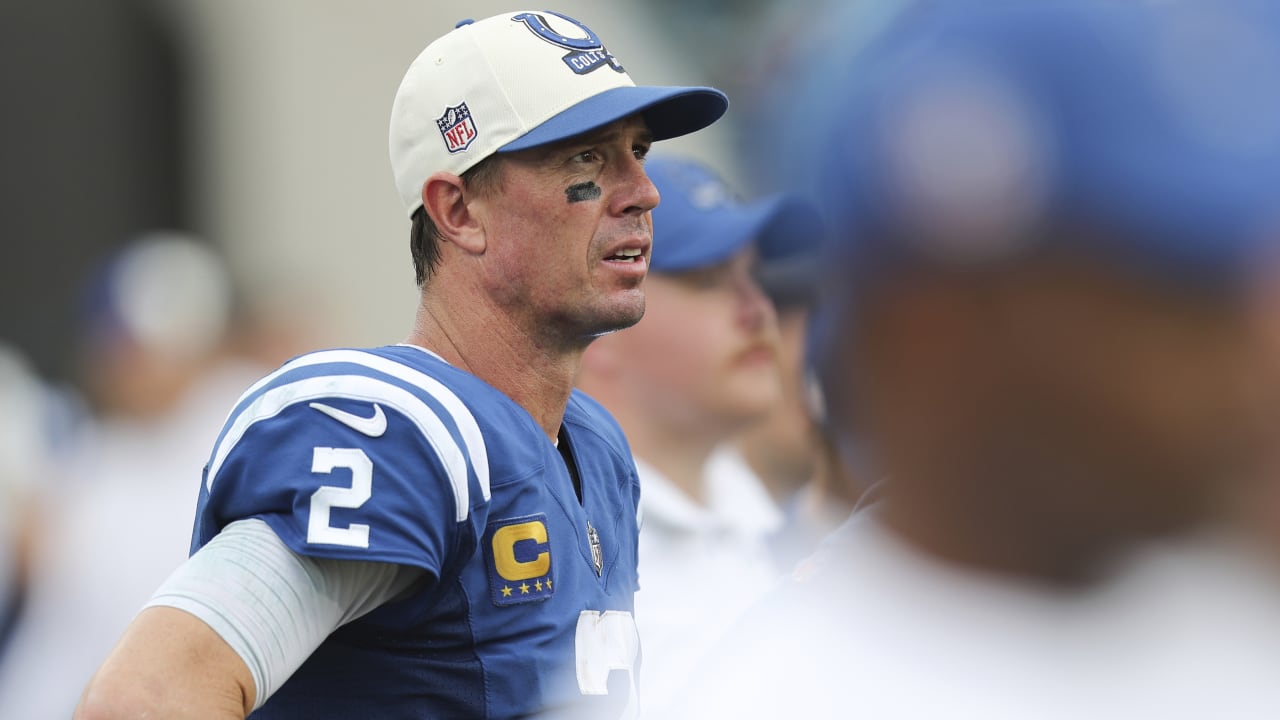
(372, 426)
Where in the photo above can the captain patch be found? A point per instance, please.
(519, 560)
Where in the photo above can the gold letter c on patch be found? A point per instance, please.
(504, 551)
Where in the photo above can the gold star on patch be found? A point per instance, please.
(524, 588)
(538, 586)
(506, 592)
(548, 583)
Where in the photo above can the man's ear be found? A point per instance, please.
(445, 201)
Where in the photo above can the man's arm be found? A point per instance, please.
(231, 624)
(169, 664)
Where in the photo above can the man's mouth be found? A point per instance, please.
(627, 255)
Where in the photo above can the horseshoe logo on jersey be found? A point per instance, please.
(586, 54)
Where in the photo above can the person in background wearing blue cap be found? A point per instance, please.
(443, 527)
(789, 449)
(698, 369)
(1048, 221)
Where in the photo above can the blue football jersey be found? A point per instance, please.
(393, 455)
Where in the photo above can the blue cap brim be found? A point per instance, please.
(780, 227)
(668, 111)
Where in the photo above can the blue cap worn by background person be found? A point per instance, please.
(970, 130)
(700, 222)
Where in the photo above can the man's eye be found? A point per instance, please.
(587, 156)
(641, 152)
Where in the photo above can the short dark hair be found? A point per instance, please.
(424, 237)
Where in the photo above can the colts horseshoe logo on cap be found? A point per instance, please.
(586, 54)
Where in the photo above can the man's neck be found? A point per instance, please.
(783, 474)
(538, 375)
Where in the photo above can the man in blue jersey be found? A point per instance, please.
(441, 528)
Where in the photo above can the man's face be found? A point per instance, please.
(1076, 394)
(1162, 394)
(1071, 405)
(569, 233)
(788, 434)
(705, 357)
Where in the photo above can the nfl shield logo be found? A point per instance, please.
(457, 128)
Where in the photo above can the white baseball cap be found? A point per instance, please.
(516, 81)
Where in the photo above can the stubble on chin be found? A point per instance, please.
(581, 328)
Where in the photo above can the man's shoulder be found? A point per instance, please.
(391, 431)
(405, 364)
(372, 392)
(386, 375)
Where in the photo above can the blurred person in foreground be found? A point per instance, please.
(1047, 220)
(156, 372)
(441, 528)
(698, 369)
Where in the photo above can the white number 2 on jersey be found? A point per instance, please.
(604, 641)
(324, 460)
(607, 641)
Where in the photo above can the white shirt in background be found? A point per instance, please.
(701, 566)
(872, 627)
(117, 524)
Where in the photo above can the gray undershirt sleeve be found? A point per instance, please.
(271, 605)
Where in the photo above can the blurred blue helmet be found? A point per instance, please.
(1144, 134)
